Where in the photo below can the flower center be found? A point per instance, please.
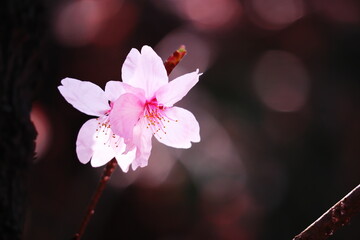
(155, 115)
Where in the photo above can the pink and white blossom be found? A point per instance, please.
(145, 106)
(96, 141)
(130, 112)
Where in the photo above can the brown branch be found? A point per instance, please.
(336, 217)
(109, 169)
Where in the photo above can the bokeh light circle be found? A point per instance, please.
(281, 81)
(275, 14)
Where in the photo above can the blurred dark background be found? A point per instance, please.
(278, 106)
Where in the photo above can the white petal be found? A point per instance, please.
(103, 147)
(113, 90)
(107, 145)
(100, 145)
(130, 66)
(145, 70)
(175, 90)
(125, 160)
(85, 141)
(181, 129)
(101, 157)
(90, 144)
(84, 96)
(104, 150)
(142, 141)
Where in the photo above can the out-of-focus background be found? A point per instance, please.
(278, 106)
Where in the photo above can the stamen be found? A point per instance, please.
(155, 114)
(103, 130)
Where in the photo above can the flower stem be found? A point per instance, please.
(109, 169)
(336, 217)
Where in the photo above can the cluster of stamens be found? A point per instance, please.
(104, 128)
(156, 118)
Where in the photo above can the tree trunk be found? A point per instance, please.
(20, 69)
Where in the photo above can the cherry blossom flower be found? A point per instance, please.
(129, 113)
(144, 106)
(96, 140)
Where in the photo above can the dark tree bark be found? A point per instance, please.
(335, 218)
(20, 69)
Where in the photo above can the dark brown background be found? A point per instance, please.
(278, 106)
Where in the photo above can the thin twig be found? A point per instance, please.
(109, 169)
(336, 217)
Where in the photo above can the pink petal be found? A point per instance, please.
(126, 111)
(84, 96)
(113, 90)
(181, 130)
(142, 141)
(145, 71)
(140, 93)
(175, 90)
